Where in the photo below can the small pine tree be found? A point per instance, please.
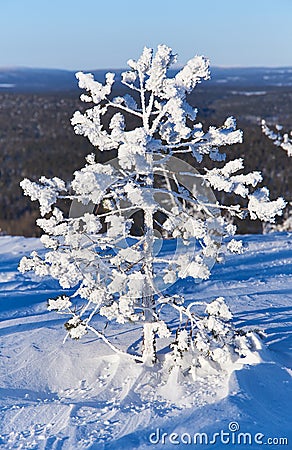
(114, 264)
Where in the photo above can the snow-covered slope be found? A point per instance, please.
(78, 395)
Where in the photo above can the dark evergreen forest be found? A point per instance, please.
(36, 139)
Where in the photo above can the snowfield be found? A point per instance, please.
(80, 395)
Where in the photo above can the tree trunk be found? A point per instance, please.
(149, 343)
(149, 347)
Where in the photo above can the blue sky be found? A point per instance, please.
(93, 34)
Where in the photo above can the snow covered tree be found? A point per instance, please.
(113, 266)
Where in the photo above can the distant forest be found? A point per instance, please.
(36, 139)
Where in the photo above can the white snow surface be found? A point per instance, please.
(79, 395)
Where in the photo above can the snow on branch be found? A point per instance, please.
(46, 191)
(97, 91)
(223, 180)
(280, 140)
(260, 206)
(195, 70)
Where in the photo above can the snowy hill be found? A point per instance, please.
(78, 395)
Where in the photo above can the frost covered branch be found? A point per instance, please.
(279, 139)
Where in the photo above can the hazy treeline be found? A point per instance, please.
(36, 139)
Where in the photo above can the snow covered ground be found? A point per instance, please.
(78, 395)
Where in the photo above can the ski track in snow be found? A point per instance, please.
(78, 395)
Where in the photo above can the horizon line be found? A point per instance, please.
(216, 66)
